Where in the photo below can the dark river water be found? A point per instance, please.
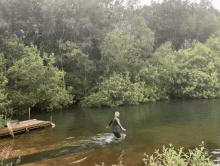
(81, 138)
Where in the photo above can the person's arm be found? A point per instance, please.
(118, 121)
(110, 123)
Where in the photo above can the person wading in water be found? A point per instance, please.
(116, 125)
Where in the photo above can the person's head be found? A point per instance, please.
(117, 114)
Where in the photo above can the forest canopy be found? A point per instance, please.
(106, 52)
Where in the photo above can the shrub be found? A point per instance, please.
(170, 157)
(114, 91)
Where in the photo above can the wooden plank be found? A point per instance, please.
(25, 125)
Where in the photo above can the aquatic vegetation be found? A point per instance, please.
(171, 157)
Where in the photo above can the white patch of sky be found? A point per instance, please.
(216, 3)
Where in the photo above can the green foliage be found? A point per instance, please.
(2, 121)
(213, 43)
(153, 90)
(79, 69)
(29, 78)
(115, 52)
(4, 26)
(198, 73)
(207, 25)
(159, 72)
(124, 48)
(158, 45)
(191, 72)
(180, 20)
(35, 82)
(116, 90)
(171, 157)
(4, 102)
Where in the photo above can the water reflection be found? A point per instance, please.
(184, 123)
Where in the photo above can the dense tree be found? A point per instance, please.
(33, 79)
(79, 69)
(124, 48)
(198, 73)
(116, 90)
(159, 72)
(79, 48)
(178, 20)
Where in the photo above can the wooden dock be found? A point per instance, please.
(24, 126)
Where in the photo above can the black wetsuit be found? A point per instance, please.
(116, 127)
